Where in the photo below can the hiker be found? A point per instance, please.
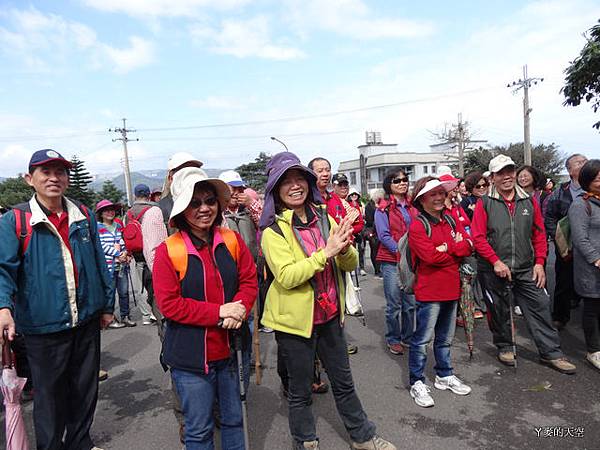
(438, 243)
(148, 218)
(531, 181)
(353, 200)
(557, 207)
(117, 258)
(584, 218)
(510, 240)
(205, 285)
(307, 253)
(55, 282)
(476, 186)
(370, 232)
(392, 219)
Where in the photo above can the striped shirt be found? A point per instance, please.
(111, 239)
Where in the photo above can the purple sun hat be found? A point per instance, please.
(276, 168)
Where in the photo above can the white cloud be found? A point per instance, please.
(48, 42)
(163, 8)
(350, 18)
(243, 39)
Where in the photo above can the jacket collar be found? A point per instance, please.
(38, 215)
(287, 214)
(520, 193)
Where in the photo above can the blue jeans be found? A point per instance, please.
(400, 307)
(121, 285)
(198, 392)
(438, 318)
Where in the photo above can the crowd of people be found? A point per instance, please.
(213, 256)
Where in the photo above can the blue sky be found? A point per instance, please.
(73, 69)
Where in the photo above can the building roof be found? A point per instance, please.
(398, 159)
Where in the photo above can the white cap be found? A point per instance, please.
(180, 158)
(486, 174)
(182, 189)
(232, 178)
(443, 170)
(500, 162)
(435, 183)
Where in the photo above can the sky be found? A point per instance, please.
(217, 78)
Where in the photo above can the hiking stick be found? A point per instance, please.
(256, 345)
(509, 292)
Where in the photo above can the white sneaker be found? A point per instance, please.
(453, 383)
(363, 273)
(420, 393)
(594, 359)
(518, 311)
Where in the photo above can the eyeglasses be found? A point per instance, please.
(481, 186)
(400, 180)
(196, 203)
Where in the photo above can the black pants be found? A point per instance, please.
(534, 303)
(64, 367)
(564, 290)
(373, 249)
(591, 324)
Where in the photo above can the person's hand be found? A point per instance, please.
(105, 320)
(118, 247)
(6, 323)
(597, 264)
(339, 239)
(233, 310)
(539, 275)
(244, 199)
(352, 215)
(502, 270)
(231, 324)
(442, 248)
(458, 238)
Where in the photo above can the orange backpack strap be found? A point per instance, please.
(178, 254)
(231, 242)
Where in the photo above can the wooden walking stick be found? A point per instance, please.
(256, 346)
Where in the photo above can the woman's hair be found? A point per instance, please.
(472, 179)
(279, 205)
(179, 219)
(538, 180)
(419, 185)
(387, 181)
(588, 173)
(99, 213)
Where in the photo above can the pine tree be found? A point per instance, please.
(79, 179)
(255, 173)
(110, 192)
(13, 191)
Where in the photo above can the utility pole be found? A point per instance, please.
(123, 131)
(525, 84)
(461, 146)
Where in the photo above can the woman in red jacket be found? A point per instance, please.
(205, 283)
(437, 245)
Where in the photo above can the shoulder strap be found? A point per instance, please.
(426, 224)
(276, 228)
(23, 229)
(448, 218)
(231, 242)
(177, 253)
(141, 214)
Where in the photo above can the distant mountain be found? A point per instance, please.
(152, 178)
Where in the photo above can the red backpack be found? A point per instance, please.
(132, 232)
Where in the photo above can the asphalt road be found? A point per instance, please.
(508, 409)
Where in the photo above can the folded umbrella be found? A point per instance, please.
(467, 304)
(11, 386)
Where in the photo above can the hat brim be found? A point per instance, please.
(112, 205)
(503, 166)
(431, 185)
(236, 183)
(183, 200)
(63, 161)
(276, 174)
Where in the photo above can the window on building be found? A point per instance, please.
(381, 173)
(352, 177)
(425, 169)
(433, 169)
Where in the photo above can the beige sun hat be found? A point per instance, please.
(182, 189)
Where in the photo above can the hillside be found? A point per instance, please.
(153, 178)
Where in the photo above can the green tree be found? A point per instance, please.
(546, 158)
(582, 81)
(13, 191)
(110, 192)
(79, 179)
(255, 173)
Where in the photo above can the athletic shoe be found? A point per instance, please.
(313, 445)
(116, 324)
(453, 383)
(561, 365)
(266, 330)
(396, 349)
(149, 320)
(478, 314)
(352, 349)
(375, 443)
(102, 375)
(518, 311)
(363, 273)
(420, 393)
(507, 358)
(593, 359)
(128, 322)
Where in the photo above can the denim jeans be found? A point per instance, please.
(121, 285)
(197, 393)
(438, 318)
(299, 356)
(400, 307)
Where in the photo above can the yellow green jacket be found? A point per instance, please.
(290, 299)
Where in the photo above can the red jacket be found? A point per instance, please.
(437, 276)
(336, 209)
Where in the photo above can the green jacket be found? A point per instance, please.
(290, 299)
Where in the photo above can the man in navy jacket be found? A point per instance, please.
(54, 282)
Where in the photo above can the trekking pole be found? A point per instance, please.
(132, 287)
(509, 292)
(256, 345)
(237, 339)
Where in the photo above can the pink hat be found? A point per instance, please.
(103, 204)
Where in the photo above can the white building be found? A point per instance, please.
(378, 159)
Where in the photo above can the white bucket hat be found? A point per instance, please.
(180, 158)
(182, 189)
(432, 184)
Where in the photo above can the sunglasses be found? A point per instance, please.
(481, 186)
(400, 180)
(197, 203)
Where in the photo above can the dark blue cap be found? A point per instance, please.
(47, 155)
(141, 190)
